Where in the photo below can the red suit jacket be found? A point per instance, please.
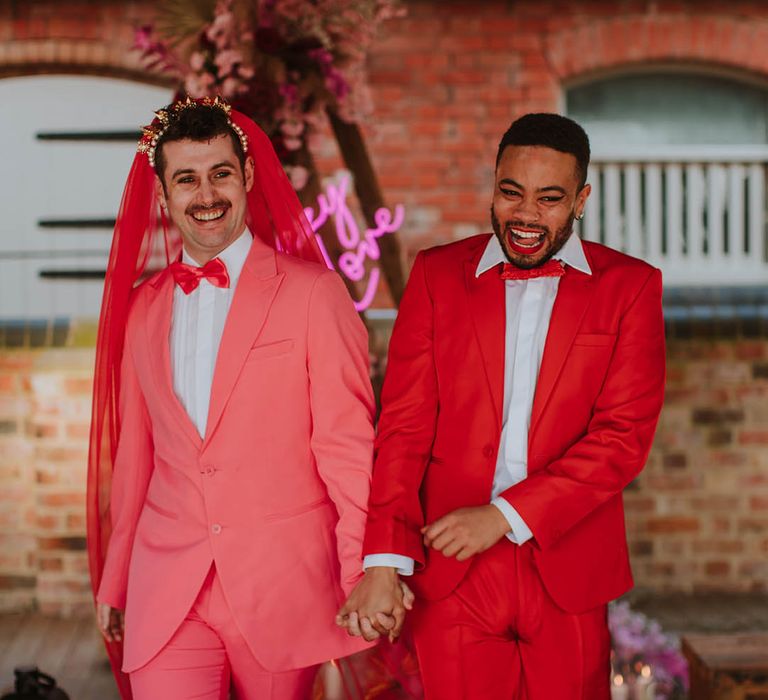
(597, 401)
(275, 493)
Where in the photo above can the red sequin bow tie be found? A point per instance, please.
(189, 276)
(551, 268)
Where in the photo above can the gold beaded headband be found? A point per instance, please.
(152, 133)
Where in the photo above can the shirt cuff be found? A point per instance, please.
(404, 565)
(519, 533)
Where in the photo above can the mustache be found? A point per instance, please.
(218, 204)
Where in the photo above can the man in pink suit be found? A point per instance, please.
(242, 469)
(524, 383)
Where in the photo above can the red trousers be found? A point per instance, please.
(499, 636)
(207, 655)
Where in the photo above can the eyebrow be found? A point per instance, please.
(548, 188)
(191, 171)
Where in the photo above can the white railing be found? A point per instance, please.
(697, 213)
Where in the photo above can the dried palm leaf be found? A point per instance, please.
(179, 20)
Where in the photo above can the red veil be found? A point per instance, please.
(141, 242)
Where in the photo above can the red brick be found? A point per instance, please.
(50, 564)
(717, 568)
(62, 499)
(673, 524)
(753, 437)
(78, 385)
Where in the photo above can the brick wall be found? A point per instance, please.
(697, 517)
(45, 402)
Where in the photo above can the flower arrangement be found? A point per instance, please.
(642, 651)
(283, 62)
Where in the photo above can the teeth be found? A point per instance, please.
(526, 234)
(208, 215)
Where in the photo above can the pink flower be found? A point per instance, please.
(226, 60)
(299, 176)
(197, 61)
(246, 72)
(221, 29)
(194, 86)
(291, 143)
(292, 128)
(229, 88)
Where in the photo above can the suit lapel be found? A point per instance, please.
(256, 289)
(573, 297)
(158, 326)
(486, 304)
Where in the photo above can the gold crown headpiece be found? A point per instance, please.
(152, 133)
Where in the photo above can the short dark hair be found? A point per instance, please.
(553, 131)
(198, 123)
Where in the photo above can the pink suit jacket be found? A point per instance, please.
(597, 401)
(276, 492)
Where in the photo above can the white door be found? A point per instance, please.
(67, 145)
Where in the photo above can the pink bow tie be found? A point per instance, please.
(188, 276)
(551, 268)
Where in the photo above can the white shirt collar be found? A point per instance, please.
(233, 256)
(572, 254)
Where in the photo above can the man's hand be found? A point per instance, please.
(466, 531)
(110, 621)
(377, 605)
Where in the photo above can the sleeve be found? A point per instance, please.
(519, 532)
(404, 565)
(406, 428)
(130, 479)
(342, 406)
(615, 446)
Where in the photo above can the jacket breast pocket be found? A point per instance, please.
(594, 340)
(268, 350)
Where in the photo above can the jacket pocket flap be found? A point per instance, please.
(279, 347)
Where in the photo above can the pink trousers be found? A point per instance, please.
(207, 656)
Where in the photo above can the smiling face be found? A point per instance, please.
(536, 197)
(205, 193)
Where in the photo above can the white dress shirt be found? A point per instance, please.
(197, 324)
(528, 306)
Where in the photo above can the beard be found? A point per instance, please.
(556, 242)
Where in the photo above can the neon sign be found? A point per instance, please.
(358, 246)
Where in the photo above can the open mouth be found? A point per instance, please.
(206, 215)
(525, 242)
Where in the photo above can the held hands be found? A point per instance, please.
(376, 607)
(465, 532)
(111, 622)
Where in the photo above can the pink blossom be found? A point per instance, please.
(229, 88)
(194, 86)
(226, 60)
(246, 72)
(196, 61)
(299, 176)
(292, 143)
(222, 27)
(292, 128)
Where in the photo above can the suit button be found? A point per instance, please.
(488, 451)
(216, 529)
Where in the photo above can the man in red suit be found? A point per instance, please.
(524, 383)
